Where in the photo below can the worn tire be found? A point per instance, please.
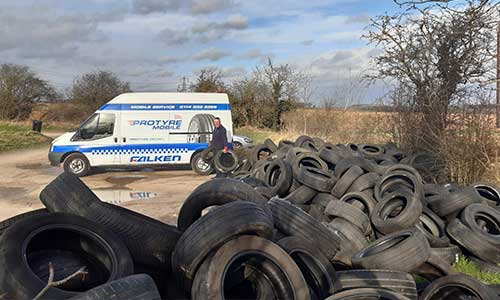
(103, 252)
(403, 251)
(216, 192)
(225, 162)
(149, 241)
(474, 213)
(450, 254)
(398, 282)
(314, 265)
(354, 238)
(8, 222)
(345, 182)
(301, 195)
(213, 230)
(346, 211)
(318, 179)
(281, 270)
(447, 288)
(433, 228)
(445, 205)
(200, 166)
(367, 293)
(135, 287)
(407, 217)
(279, 177)
(292, 221)
(475, 244)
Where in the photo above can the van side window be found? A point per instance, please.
(98, 126)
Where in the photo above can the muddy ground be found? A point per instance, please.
(156, 193)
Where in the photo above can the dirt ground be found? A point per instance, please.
(158, 194)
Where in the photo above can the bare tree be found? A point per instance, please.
(19, 90)
(436, 51)
(438, 54)
(209, 80)
(94, 89)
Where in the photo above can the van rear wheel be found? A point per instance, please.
(78, 164)
(200, 166)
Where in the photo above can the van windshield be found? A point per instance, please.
(97, 126)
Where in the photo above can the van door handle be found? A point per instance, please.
(116, 140)
(124, 140)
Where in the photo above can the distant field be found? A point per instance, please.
(18, 136)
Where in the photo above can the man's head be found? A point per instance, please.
(217, 122)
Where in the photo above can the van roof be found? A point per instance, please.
(170, 98)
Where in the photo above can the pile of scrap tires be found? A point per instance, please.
(302, 220)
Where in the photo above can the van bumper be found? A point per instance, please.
(55, 158)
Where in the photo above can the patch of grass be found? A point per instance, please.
(257, 135)
(469, 268)
(15, 136)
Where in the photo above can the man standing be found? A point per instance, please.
(219, 137)
(218, 143)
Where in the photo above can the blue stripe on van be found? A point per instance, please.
(138, 148)
(159, 106)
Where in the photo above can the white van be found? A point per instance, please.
(141, 129)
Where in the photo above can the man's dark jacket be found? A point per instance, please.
(219, 138)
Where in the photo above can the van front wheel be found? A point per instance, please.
(200, 166)
(77, 164)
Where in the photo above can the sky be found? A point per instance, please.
(153, 44)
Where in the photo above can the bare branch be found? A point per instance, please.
(52, 283)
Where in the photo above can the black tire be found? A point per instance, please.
(346, 211)
(404, 251)
(330, 156)
(150, 242)
(135, 287)
(410, 208)
(260, 152)
(449, 254)
(200, 166)
(279, 177)
(397, 180)
(314, 265)
(354, 238)
(367, 293)
(200, 128)
(270, 145)
(252, 181)
(292, 221)
(103, 252)
(77, 164)
(301, 195)
(213, 230)
(258, 253)
(484, 265)
(474, 215)
(489, 192)
(450, 287)
(318, 179)
(398, 282)
(225, 162)
(307, 159)
(345, 182)
(435, 267)
(371, 150)
(433, 228)
(446, 205)
(474, 243)
(216, 192)
(365, 181)
(8, 222)
(360, 200)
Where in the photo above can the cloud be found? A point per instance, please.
(145, 7)
(359, 19)
(173, 37)
(203, 32)
(307, 42)
(210, 6)
(206, 32)
(211, 54)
